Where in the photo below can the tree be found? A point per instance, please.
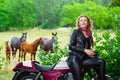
(49, 12)
(115, 3)
(115, 17)
(98, 14)
(17, 14)
(4, 18)
(22, 13)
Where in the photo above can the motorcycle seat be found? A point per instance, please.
(43, 68)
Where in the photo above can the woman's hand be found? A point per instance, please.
(89, 52)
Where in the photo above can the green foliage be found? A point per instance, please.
(48, 58)
(115, 17)
(98, 2)
(109, 49)
(24, 14)
(17, 14)
(103, 17)
(115, 3)
(49, 12)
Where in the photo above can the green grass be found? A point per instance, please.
(6, 72)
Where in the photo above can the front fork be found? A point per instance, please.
(17, 74)
(37, 76)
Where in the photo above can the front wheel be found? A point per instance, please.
(28, 77)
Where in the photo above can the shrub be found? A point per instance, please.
(109, 48)
(47, 58)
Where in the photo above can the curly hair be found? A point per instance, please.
(90, 23)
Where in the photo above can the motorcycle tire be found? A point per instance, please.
(28, 77)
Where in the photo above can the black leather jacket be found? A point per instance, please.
(78, 43)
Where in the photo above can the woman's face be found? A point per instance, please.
(83, 22)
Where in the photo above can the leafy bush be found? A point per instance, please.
(47, 58)
(109, 48)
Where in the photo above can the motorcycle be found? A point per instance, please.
(32, 70)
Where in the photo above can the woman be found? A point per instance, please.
(81, 53)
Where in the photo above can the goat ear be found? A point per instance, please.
(40, 38)
(6, 41)
(56, 33)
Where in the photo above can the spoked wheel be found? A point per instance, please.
(106, 78)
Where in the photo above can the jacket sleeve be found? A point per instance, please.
(73, 40)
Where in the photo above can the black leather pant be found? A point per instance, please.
(76, 65)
